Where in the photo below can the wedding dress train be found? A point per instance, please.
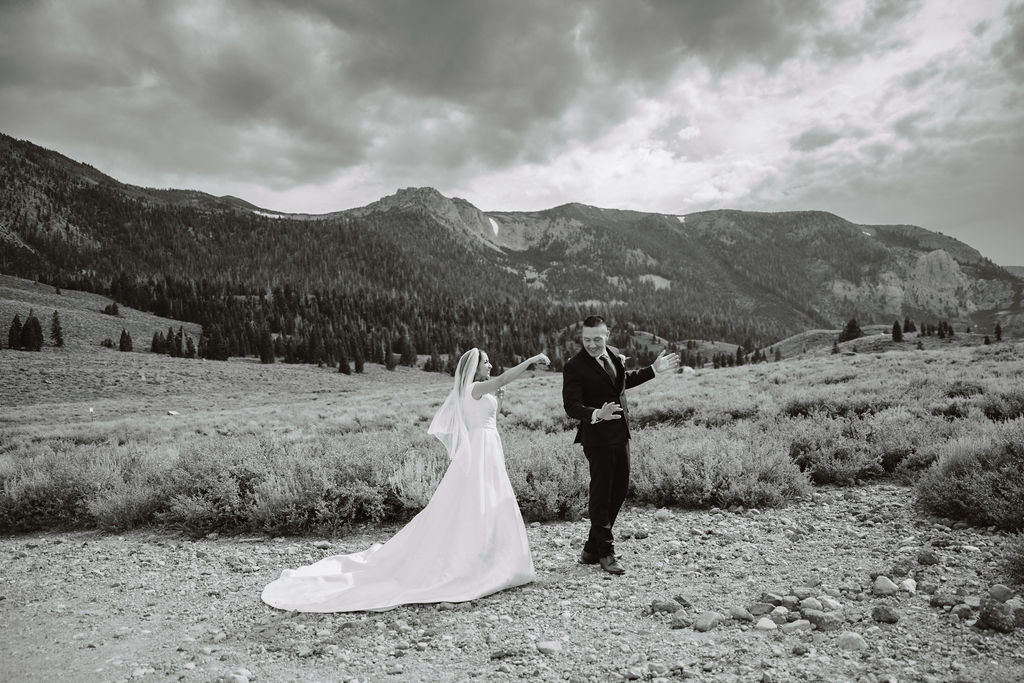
(468, 542)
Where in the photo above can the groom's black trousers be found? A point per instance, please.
(609, 481)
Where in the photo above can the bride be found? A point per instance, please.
(468, 542)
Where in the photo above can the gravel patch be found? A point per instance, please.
(743, 595)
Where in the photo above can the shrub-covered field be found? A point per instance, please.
(284, 450)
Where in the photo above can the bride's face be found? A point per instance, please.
(483, 369)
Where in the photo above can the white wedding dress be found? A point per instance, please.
(468, 542)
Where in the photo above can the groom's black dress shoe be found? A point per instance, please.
(589, 558)
(611, 565)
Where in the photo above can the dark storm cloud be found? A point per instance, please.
(1010, 49)
(815, 138)
(505, 82)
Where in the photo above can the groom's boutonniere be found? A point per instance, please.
(623, 358)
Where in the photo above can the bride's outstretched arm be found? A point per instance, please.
(495, 383)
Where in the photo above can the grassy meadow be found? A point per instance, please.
(112, 440)
(95, 438)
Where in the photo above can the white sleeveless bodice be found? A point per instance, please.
(480, 414)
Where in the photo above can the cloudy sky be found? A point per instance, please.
(881, 111)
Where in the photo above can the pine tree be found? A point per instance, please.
(266, 348)
(359, 361)
(190, 347)
(987, 340)
(999, 332)
(32, 333)
(342, 355)
(835, 346)
(56, 331)
(778, 354)
(212, 345)
(897, 332)
(407, 351)
(169, 344)
(126, 341)
(851, 331)
(158, 345)
(14, 333)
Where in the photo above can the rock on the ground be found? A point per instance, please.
(884, 586)
(706, 621)
(849, 640)
(885, 614)
(962, 611)
(995, 615)
(740, 613)
(943, 599)
(823, 621)
(680, 619)
(1000, 592)
(798, 625)
(667, 606)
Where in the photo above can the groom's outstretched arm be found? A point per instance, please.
(665, 362)
(572, 395)
(635, 377)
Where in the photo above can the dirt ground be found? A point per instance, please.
(154, 606)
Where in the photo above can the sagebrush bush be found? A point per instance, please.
(1013, 559)
(549, 474)
(979, 477)
(835, 403)
(1003, 406)
(49, 489)
(895, 434)
(697, 467)
(317, 488)
(129, 485)
(831, 450)
(963, 388)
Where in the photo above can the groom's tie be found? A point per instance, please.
(608, 367)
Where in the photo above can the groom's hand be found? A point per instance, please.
(665, 363)
(609, 411)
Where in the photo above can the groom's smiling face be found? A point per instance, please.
(594, 339)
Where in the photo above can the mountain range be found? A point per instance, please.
(420, 260)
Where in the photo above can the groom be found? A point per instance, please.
(594, 382)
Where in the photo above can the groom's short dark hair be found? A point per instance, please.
(594, 321)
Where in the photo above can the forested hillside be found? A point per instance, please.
(418, 272)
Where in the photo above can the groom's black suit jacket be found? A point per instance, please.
(586, 387)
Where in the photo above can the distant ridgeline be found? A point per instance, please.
(417, 272)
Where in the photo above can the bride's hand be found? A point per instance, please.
(542, 359)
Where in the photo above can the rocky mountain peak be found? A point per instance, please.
(457, 214)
